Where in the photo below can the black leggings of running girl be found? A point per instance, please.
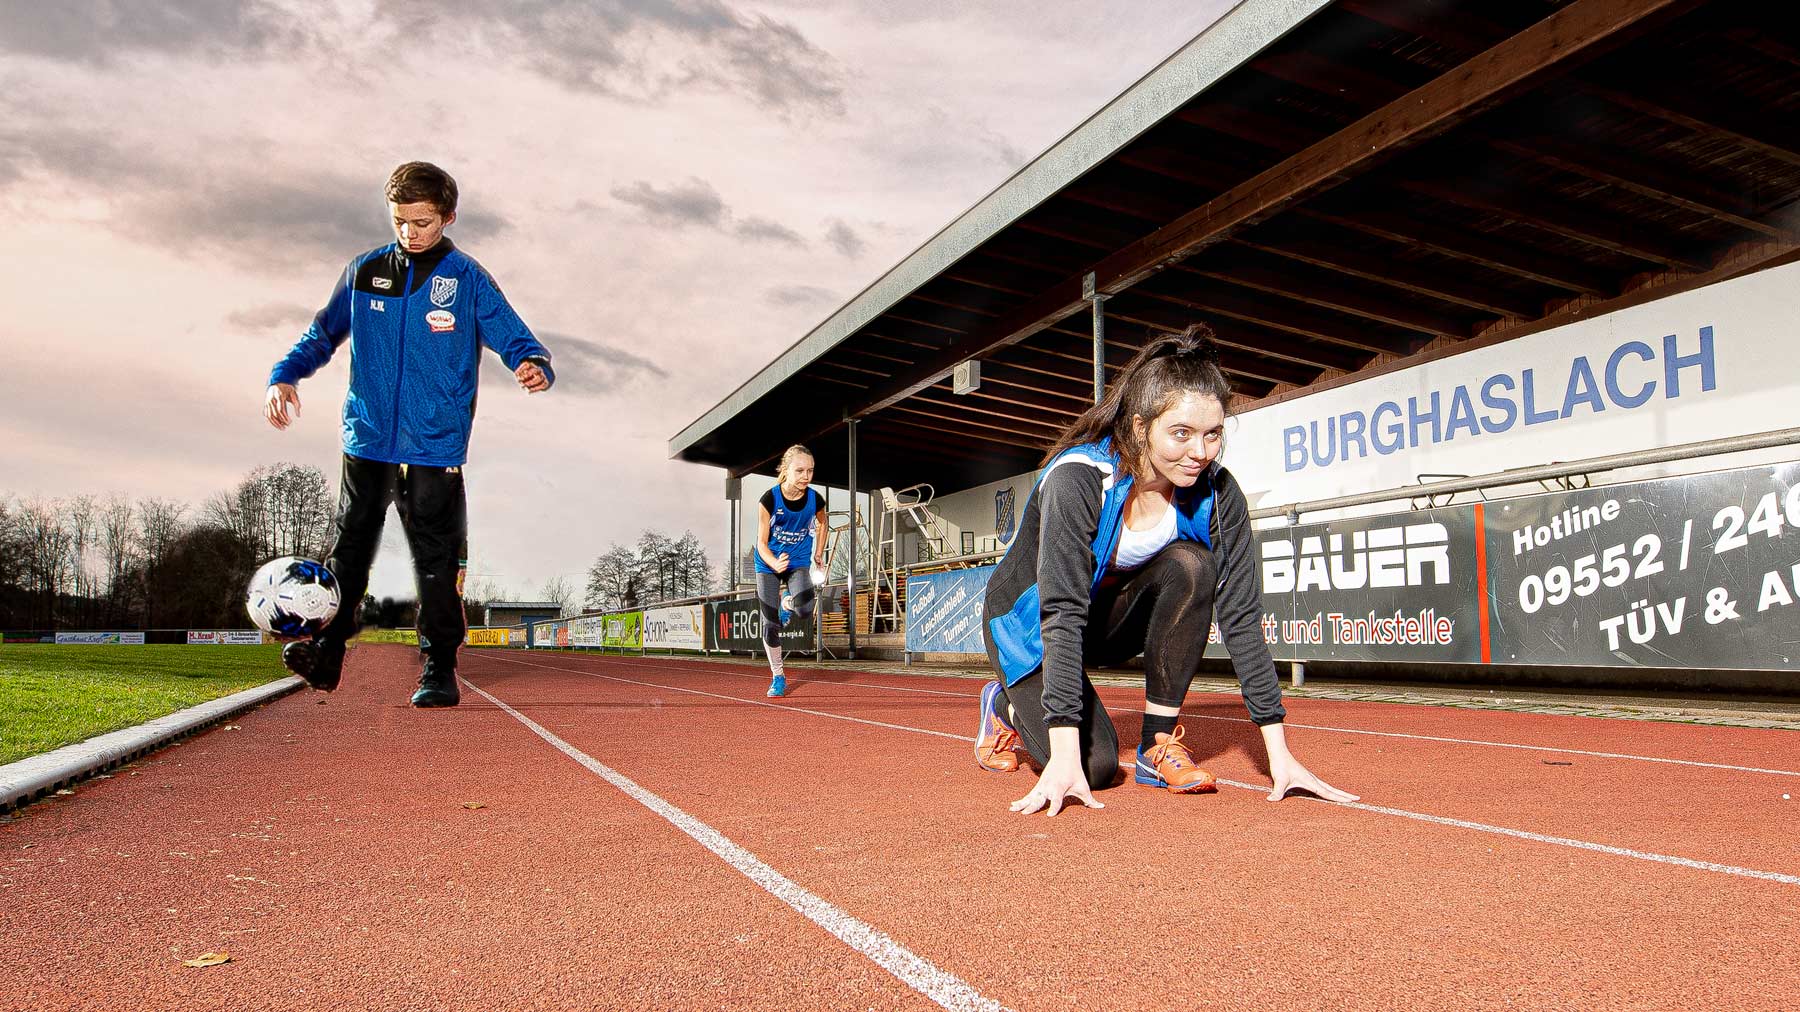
(1161, 610)
(768, 594)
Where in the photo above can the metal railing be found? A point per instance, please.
(1540, 472)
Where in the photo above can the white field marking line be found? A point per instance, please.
(758, 675)
(738, 699)
(1357, 730)
(942, 987)
(1528, 748)
(1561, 841)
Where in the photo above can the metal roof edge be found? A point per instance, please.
(1221, 47)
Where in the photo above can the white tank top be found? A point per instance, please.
(1138, 547)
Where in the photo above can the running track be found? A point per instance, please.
(657, 835)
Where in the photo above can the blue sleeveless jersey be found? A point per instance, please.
(791, 531)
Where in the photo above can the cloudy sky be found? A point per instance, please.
(671, 193)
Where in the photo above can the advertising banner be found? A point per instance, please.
(93, 638)
(1694, 571)
(1700, 571)
(737, 625)
(489, 637)
(1696, 364)
(550, 635)
(943, 611)
(586, 631)
(624, 630)
(681, 628)
(1402, 587)
(225, 637)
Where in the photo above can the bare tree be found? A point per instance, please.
(79, 518)
(283, 509)
(159, 526)
(560, 590)
(46, 557)
(118, 548)
(610, 576)
(694, 570)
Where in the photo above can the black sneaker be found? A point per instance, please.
(320, 662)
(437, 687)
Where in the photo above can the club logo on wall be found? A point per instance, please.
(443, 292)
(1004, 518)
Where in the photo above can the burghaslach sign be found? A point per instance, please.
(737, 625)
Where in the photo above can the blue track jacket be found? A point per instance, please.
(416, 324)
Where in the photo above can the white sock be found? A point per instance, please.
(774, 660)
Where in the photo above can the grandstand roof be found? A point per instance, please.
(1339, 187)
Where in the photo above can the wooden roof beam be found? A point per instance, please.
(1572, 35)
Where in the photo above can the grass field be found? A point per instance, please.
(51, 696)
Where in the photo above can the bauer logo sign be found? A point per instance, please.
(1391, 588)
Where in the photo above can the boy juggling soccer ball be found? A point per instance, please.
(416, 313)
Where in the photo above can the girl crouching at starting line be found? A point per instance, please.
(1134, 538)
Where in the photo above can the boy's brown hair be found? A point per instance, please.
(423, 182)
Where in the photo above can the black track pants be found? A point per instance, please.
(434, 513)
(798, 580)
(1161, 610)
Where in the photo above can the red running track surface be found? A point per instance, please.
(326, 847)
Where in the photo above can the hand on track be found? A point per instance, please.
(1060, 781)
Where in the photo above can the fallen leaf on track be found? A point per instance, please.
(207, 959)
(1557, 762)
(472, 805)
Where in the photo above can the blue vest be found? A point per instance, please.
(791, 532)
(1018, 635)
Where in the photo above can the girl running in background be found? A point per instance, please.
(1133, 538)
(790, 538)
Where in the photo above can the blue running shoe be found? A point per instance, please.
(996, 743)
(778, 687)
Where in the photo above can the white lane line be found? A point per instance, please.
(1482, 827)
(942, 987)
(1561, 841)
(1527, 748)
(1356, 730)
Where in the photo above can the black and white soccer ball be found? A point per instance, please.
(292, 598)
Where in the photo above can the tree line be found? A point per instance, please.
(91, 562)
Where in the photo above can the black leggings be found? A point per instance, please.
(1161, 610)
(768, 594)
(435, 515)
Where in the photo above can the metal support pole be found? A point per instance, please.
(850, 608)
(1098, 298)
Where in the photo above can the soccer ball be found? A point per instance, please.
(292, 598)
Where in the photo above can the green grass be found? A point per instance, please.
(373, 635)
(51, 696)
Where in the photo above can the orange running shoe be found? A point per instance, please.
(1169, 765)
(996, 743)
